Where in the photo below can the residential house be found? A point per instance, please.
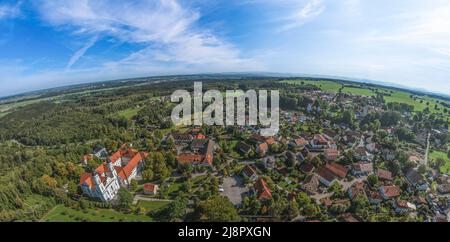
(416, 180)
(362, 168)
(311, 184)
(249, 173)
(402, 206)
(384, 174)
(306, 167)
(326, 176)
(243, 148)
(262, 149)
(362, 154)
(150, 189)
(388, 192)
(261, 189)
(338, 170)
(331, 154)
(357, 189)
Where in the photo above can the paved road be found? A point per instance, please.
(234, 189)
(144, 198)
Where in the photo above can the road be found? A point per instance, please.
(427, 150)
(144, 198)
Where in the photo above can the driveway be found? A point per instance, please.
(234, 189)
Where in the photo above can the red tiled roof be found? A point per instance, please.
(384, 174)
(391, 191)
(262, 190)
(188, 158)
(300, 141)
(149, 187)
(270, 140)
(126, 171)
(263, 147)
(337, 169)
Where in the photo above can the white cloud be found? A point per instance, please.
(305, 13)
(9, 11)
(165, 28)
(78, 54)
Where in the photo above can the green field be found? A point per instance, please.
(152, 205)
(358, 91)
(439, 154)
(60, 213)
(327, 86)
(419, 102)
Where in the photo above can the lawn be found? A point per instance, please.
(328, 86)
(439, 154)
(358, 91)
(61, 213)
(152, 205)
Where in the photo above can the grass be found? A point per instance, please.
(419, 102)
(152, 205)
(61, 213)
(327, 86)
(439, 154)
(358, 91)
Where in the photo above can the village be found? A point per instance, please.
(318, 167)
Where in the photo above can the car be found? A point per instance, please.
(221, 190)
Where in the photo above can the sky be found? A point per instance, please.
(53, 43)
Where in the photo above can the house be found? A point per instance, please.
(318, 142)
(306, 168)
(374, 197)
(326, 176)
(291, 157)
(349, 218)
(181, 138)
(326, 202)
(384, 174)
(443, 188)
(270, 140)
(188, 159)
(128, 162)
(243, 148)
(402, 206)
(416, 180)
(262, 149)
(298, 143)
(100, 153)
(249, 173)
(331, 154)
(102, 183)
(311, 184)
(150, 189)
(362, 154)
(388, 192)
(86, 158)
(261, 189)
(208, 153)
(269, 162)
(338, 170)
(356, 189)
(362, 168)
(198, 144)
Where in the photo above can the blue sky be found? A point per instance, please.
(55, 43)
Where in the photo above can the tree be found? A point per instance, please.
(125, 198)
(147, 174)
(348, 117)
(174, 211)
(133, 185)
(217, 209)
(372, 179)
